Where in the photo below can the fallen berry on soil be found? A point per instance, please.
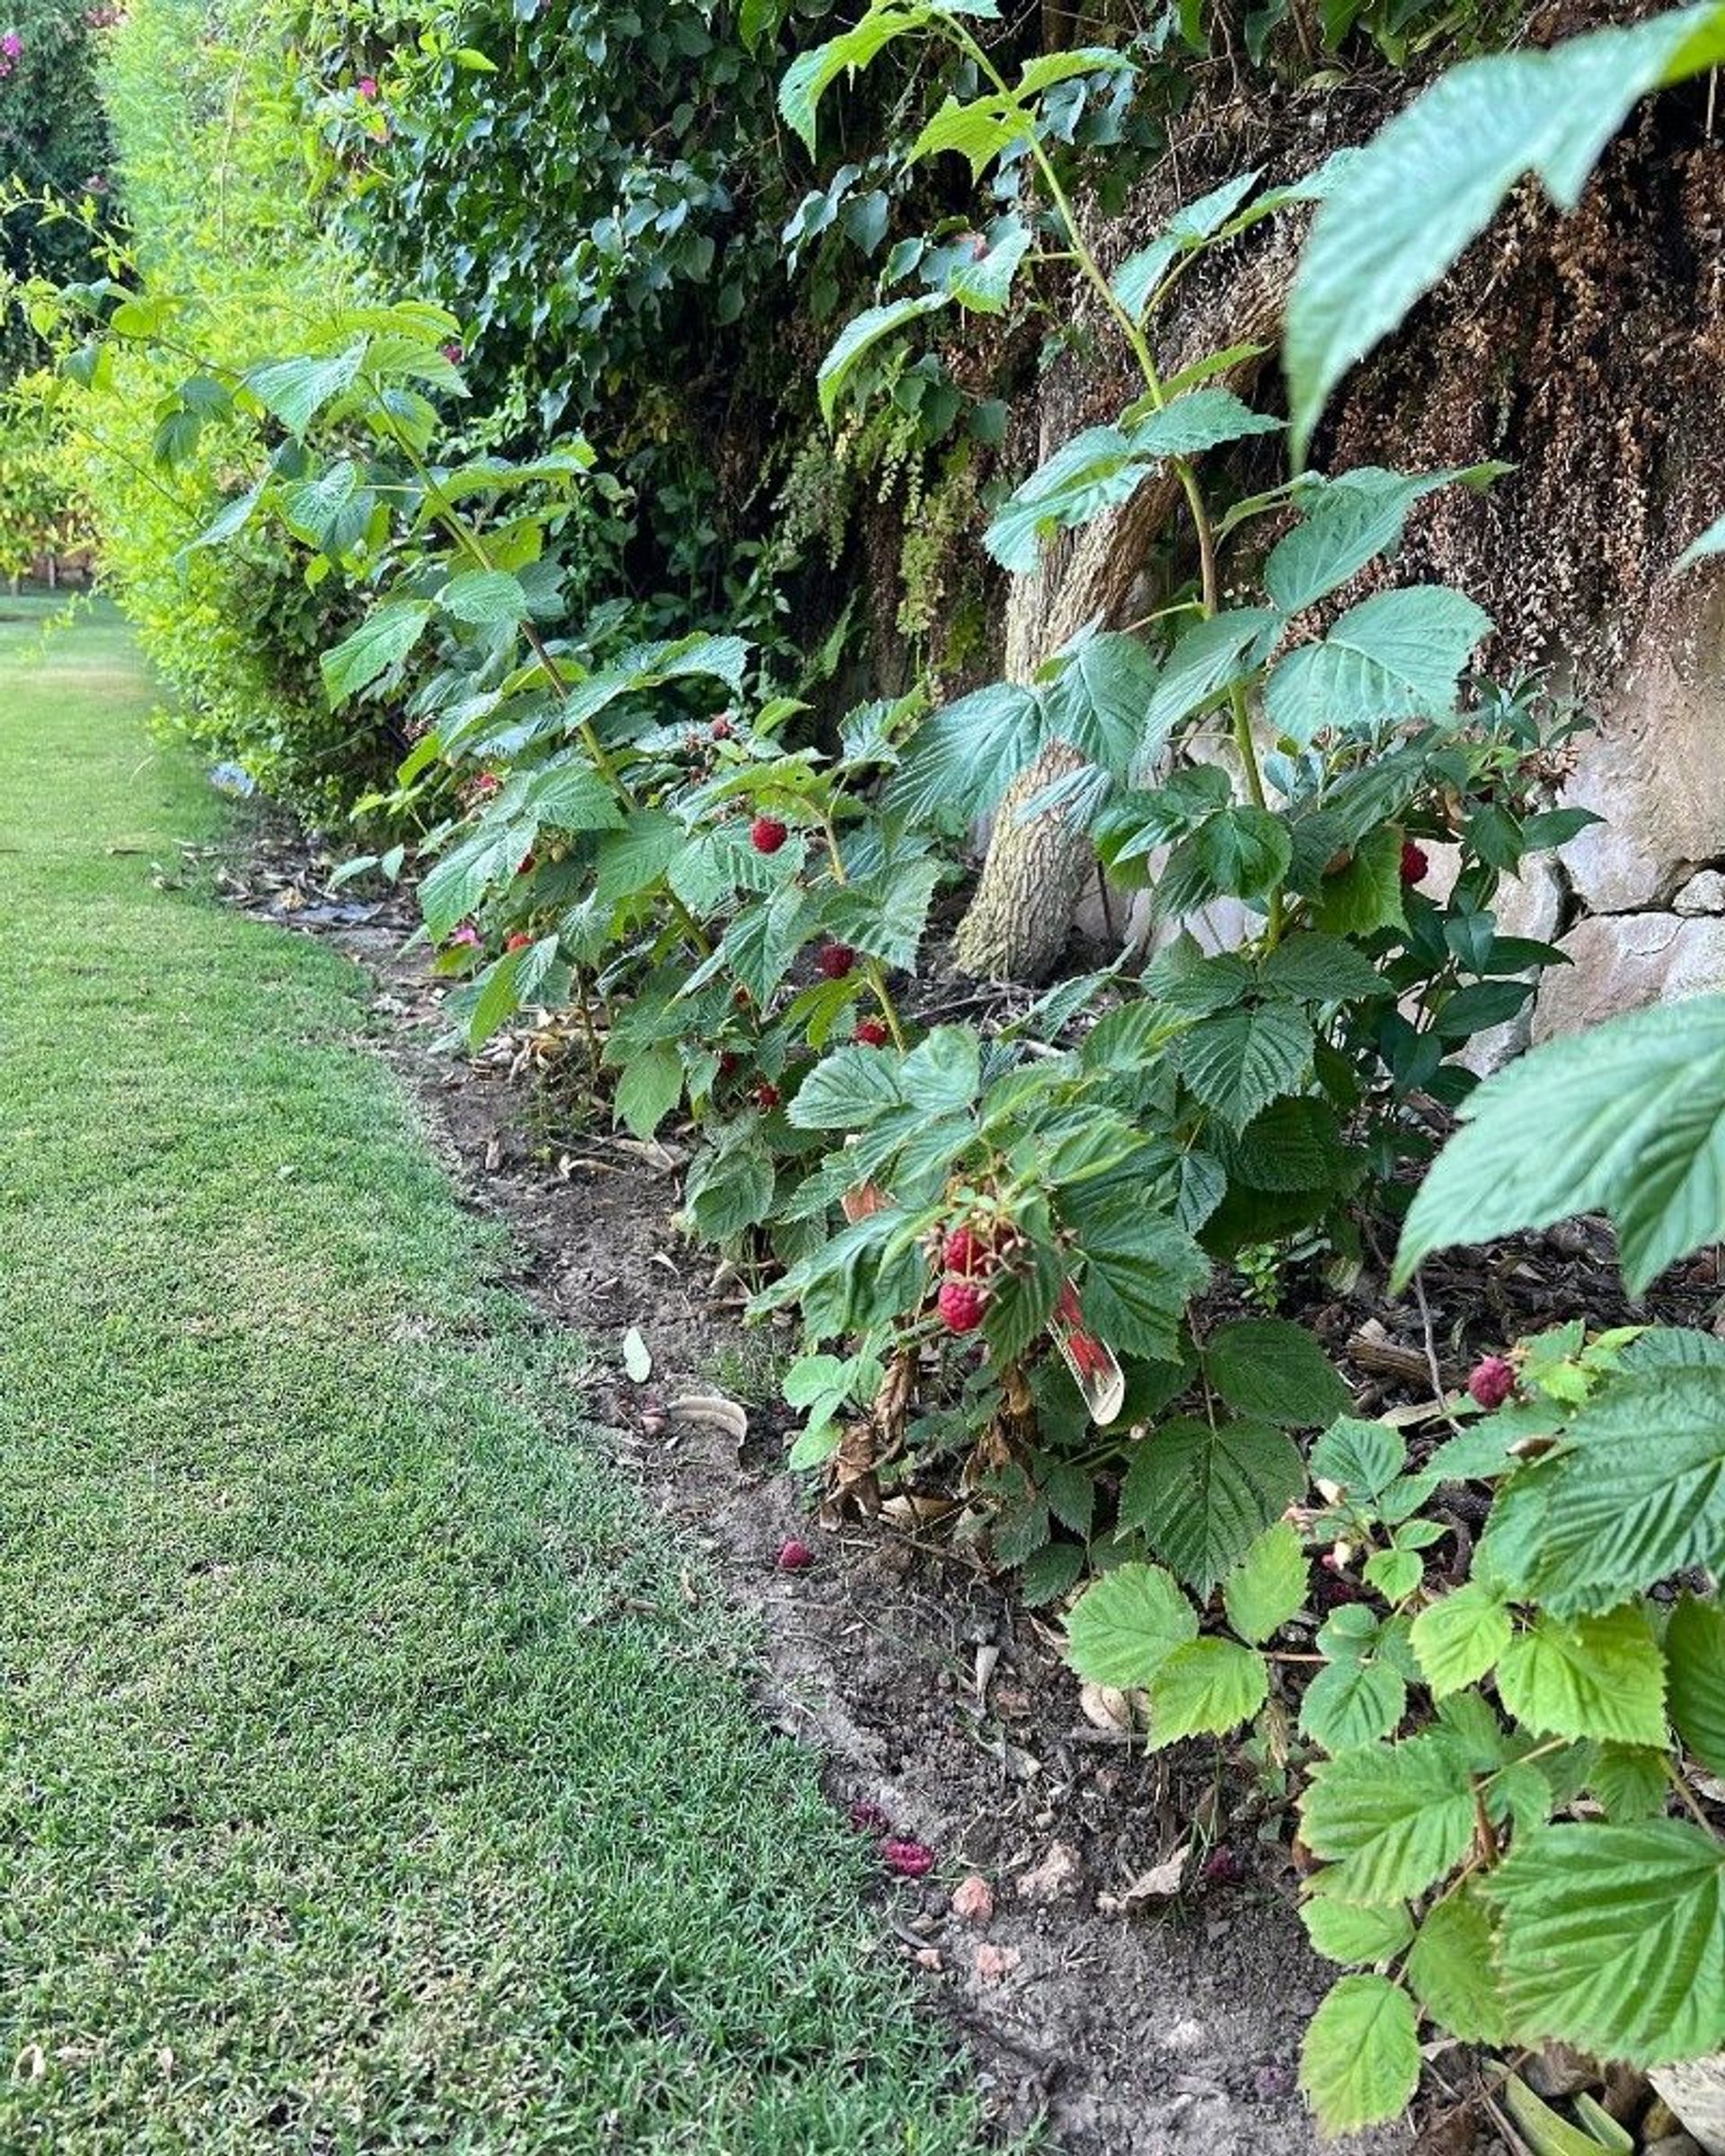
(872, 1033)
(835, 960)
(795, 1556)
(1222, 1867)
(959, 1302)
(766, 1094)
(1491, 1382)
(909, 1860)
(1414, 863)
(869, 1818)
(766, 834)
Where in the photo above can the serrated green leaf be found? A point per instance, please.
(1631, 1781)
(1349, 520)
(1207, 659)
(1350, 1932)
(1390, 1820)
(1398, 655)
(1366, 894)
(1451, 1969)
(1201, 1497)
(813, 72)
(1613, 1939)
(1203, 419)
(1597, 1677)
(1359, 2063)
(1460, 1637)
(1274, 1370)
(294, 391)
(650, 1088)
(1361, 1458)
(1352, 1703)
(1314, 968)
(858, 340)
(1411, 202)
(382, 640)
(848, 1090)
(1267, 1584)
(964, 756)
(1694, 1652)
(1239, 1061)
(1124, 1626)
(1630, 1119)
(1635, 1492)
(485, 597)
(1095, 471)
(1206, 1689)
(1136, 279)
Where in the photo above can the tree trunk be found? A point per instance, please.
(1036, 867)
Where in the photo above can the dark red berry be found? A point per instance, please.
(795, 1556)
(1222, 1867)
(767, 1094)
(909, 1860)
(1414, 864)
(872, 1033)
(870, 1819)
(959, 1302)
(1491, 1382)
(766, 835)
(835, 960)
(727, 1062)
(965, 1251)
(529, 862)
(721, 730)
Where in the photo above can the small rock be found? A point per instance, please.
(1058, 1877)
(928, 1957)
(1703, 894)
(1672, 2144)
(996, 1964)
(1186, 2036)
(973, 1901)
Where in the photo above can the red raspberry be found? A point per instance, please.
(872, 1033)
(519, 940)
(795, 1556)
(1414, 864)
(727, 1062)
(1492, 1381)
(965, 1251)
(766, 835)
(767, 1094)
(960, 1304)
(909, 1860)
(835, 960)
(529, 862)
(487, 782)
(1222, 1867)
(721, 730)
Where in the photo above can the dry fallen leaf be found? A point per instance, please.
(713, 1411)
(637, 1356)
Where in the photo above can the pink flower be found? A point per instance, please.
(12, 45)
(453, 354)
(467, 937)
(368, 87)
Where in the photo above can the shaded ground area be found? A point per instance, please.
(375, 1773)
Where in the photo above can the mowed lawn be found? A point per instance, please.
(374, 1775)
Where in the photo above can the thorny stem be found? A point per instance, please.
(873, 971)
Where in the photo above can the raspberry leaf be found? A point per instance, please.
(1360, 2062)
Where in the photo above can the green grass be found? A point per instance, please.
(368, 1779)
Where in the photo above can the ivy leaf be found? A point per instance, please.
(1124, 1628)
(1201, 1497)
(1359, 2063)
(1273, 1369)
(1600, 1676)
(1390, 1820)
(1346, 1931)
(1239, 1061)
(1694, 1652)
(1635, 1492)
(1397, 655)
(1429, 182)
(1452, 1969)
(1627, 1119)
(859, 337)
(1459, 1638)
(1267, 1584)
(1205, 1689)
(1613, 1939)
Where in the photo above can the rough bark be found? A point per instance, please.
(1036, 866)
